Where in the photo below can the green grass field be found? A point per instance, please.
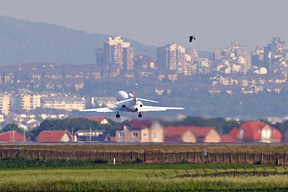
(134, 178)
(18, 174)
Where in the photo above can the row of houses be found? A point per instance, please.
(149, 131)
(153, 131)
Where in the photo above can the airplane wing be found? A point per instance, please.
(138, 99)
(148, 100)
(154, 108)
(102, 110)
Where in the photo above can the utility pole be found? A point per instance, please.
(24, 139)
(90, 135)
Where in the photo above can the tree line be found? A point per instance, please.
(221, 125)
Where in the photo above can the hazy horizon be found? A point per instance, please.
(215, 23)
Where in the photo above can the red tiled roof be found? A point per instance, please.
(53, 136)
(234, 133)
(113, 139)
(251, 130)
(179, 131)
(171, 131)
(138, 124)
(98, 119)
(11, 136)
(228, 139)
(276, 134)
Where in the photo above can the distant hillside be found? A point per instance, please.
(23, 41)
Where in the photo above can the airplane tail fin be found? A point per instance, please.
(135, 91)
(141, 99)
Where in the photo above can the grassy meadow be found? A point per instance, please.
(137, 178)
(20, 174)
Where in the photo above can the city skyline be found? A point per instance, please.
(215, 24)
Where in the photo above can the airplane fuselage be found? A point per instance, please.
(122, 95)
(131, 105)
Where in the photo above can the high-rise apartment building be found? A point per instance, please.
(128, 58)
(192, 52)
(234, 58)
(184, 61)
(174, 57)
(19, 102)
(116, 52)
(276, 54)
(4, 104)
(167, 56)
(25, 100)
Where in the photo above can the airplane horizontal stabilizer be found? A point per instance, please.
(133, 99)
(125, 100)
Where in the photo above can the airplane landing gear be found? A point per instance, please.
(117, 115)
(140, 115)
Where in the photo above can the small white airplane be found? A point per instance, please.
(131, 103)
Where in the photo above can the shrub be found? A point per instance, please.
(101, 161)
(257, 163)
(184, 160)
(137, 161)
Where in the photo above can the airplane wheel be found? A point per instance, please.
(140, 115)
(118, 116)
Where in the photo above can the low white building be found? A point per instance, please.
(64, 103)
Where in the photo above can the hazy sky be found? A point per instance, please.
(157, 22)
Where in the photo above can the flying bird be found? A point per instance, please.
(191, 37)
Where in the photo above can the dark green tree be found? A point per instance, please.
(12, 127)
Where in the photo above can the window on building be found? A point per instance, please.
(266, 134)
(135, 134)
(241, 134)
(145, 134)
(121, 135)
(154, 136)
